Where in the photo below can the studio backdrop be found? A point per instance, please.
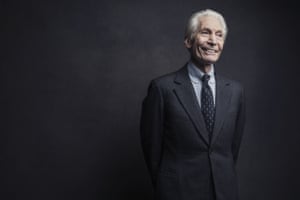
(74, 74)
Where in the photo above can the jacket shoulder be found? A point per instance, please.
(164, 80)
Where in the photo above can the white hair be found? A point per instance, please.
(193, 23)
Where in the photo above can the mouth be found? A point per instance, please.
(208, 50)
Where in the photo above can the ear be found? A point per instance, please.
(187, 43)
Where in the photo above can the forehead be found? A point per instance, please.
(210, 22)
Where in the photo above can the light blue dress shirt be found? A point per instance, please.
(195, 75)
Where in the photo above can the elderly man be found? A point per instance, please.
(192, 121)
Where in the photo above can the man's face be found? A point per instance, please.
(207, 45)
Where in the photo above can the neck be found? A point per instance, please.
(203, 67)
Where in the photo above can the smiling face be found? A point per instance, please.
(207, 44)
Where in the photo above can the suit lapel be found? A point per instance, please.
(185, 93)
(223, 97)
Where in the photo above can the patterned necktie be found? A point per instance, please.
(207, 104)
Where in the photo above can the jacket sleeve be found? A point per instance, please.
(239, 128)
(151, 129)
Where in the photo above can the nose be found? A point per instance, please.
(212, 40)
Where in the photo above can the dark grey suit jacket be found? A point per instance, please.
(183, 162)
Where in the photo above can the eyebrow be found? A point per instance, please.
(205, 28)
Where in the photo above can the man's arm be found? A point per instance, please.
(151, 129)
(239, 129)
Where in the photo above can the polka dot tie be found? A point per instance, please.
(207, 104)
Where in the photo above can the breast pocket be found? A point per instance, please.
(175, 112)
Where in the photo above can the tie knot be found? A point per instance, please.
(205, 78)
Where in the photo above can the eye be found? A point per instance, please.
(220, 35)
(204, 32)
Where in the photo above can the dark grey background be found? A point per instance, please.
(74, 74)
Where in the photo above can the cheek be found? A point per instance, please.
(200, 42)
(221, 46)
(195, 47)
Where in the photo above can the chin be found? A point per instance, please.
(210, 61)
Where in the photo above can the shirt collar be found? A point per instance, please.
(195, 73)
